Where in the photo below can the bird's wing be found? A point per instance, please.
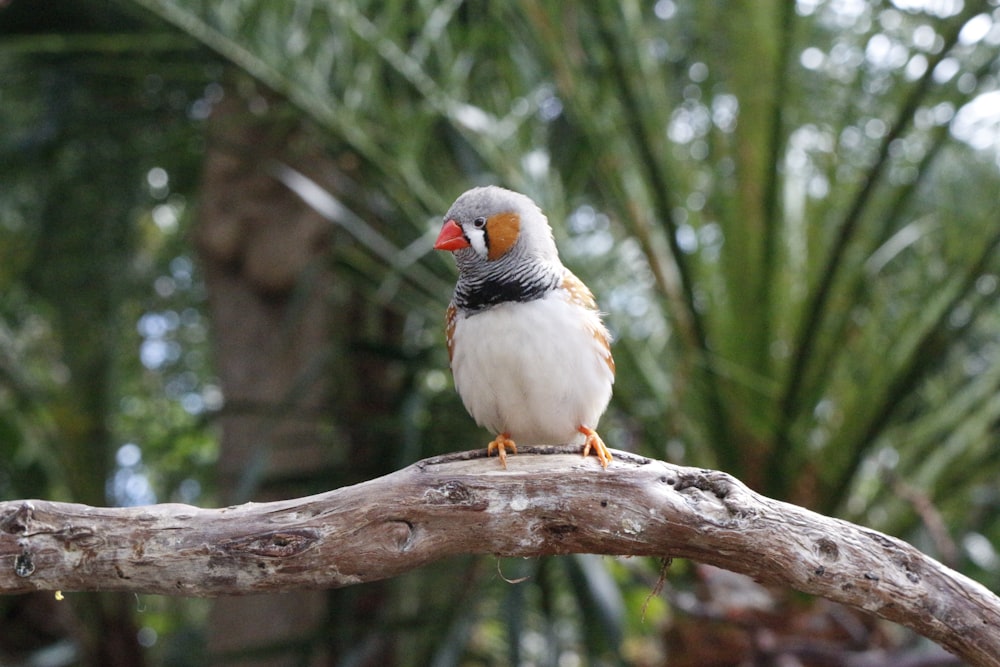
(581, 295)
(449, 329)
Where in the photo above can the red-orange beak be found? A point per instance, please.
(451, 237)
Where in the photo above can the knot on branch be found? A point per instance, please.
(827, 550)
(454, 493)
(718, 496)
(16, 521)
(24, 566)
(899, 554)
(278, 544)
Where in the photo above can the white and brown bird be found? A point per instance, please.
(529, 353)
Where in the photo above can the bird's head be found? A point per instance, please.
(493, 226)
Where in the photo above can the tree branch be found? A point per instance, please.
(464, 504)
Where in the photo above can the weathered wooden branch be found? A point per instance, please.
(464, 504)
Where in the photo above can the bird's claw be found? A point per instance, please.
(594, 442)
(501, 443)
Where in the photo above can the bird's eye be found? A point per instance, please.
(479, 223)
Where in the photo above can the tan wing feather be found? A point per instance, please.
(449, 329)
(581, 295)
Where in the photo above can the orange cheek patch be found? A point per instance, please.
(502, 230)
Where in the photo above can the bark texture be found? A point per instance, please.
(554, 503)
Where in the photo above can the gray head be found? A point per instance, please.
(501, 241)
(496, 222)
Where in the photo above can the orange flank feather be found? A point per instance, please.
(449, 330)
(581, 295)
(502, 230)
(601, 335)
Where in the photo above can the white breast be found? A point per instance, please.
(534, 370)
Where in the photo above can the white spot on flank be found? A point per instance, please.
(519, 503)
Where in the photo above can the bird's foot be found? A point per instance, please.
(594, 442)
(501, 443)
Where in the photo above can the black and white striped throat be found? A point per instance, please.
(477, 294)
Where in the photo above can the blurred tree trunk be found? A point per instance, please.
(270, 328)
(283, 329)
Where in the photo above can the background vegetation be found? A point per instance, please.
(215, 232)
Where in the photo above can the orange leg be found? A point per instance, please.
(594, 441)
(501, 443)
